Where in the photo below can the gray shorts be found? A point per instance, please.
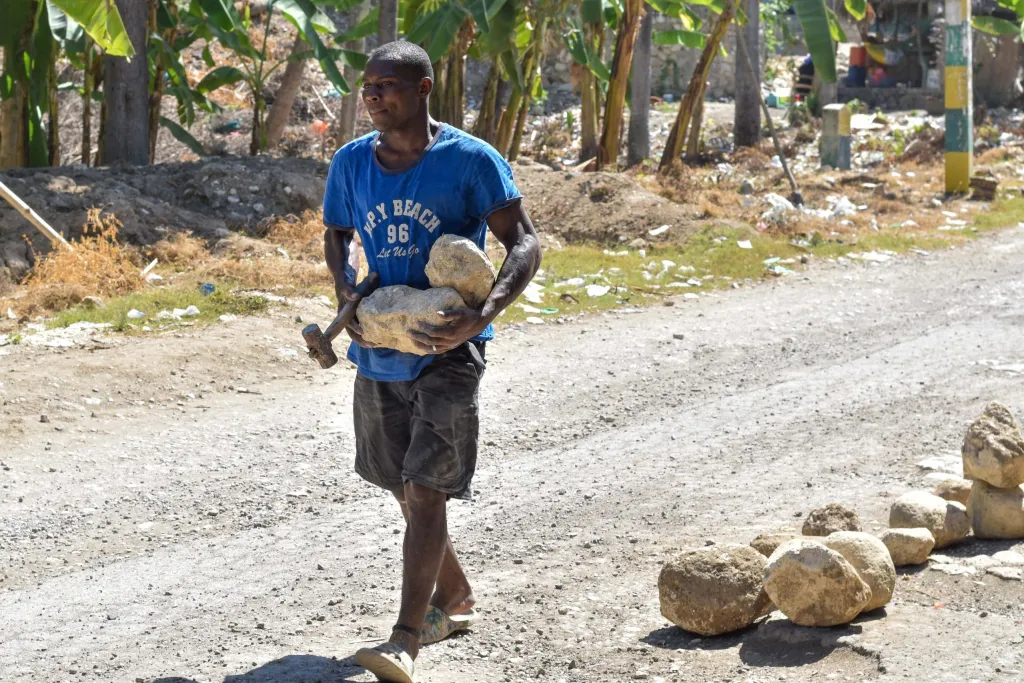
(423, 430)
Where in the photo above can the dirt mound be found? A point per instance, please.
(208, 198)
(596, 207)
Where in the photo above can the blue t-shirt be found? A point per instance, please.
(454, 186)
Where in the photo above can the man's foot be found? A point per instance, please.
(437, 626)
(460, 601)
(388, 662)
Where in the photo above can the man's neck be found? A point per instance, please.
(412, 140)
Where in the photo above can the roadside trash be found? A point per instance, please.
(608, 252)
(136, 314)
(549, 311)
(206, 289)
(744, 244)
(533, 320)
(571, 282)
(598, 290)
(529, 309)
(780, 206)
(659, 231)
(534, 293)
(228, 127)
(227, 318)
(189, 312)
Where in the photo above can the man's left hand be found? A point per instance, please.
(461, 325)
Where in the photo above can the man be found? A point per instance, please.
(416, 417)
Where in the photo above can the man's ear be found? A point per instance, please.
(426, 87)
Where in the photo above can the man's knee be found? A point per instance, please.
(419, 497)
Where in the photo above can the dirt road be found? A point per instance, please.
(188, 512)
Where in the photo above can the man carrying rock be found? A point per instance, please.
(416, 416)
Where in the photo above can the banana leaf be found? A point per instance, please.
(100, 19)
(182, 136)
(691, 39)
(857, 8)
(995, 26)
(818, 36)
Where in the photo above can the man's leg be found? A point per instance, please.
(422, 553)
(452, 594)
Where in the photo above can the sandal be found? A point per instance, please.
(437, 626)
(388, 662)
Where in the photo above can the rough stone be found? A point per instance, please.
(714, 590)
(814, 585)
(746, 187)
(954, 489)
(947, 520)
(993, 448)
(458, 263)
(388, 314)
(908, 546)
(93, 302)
(995, 512)
(870, 557)
(1007, 573)
(829, 519)
(767, 543)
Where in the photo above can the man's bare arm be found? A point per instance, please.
(514, 229)
(343, 262)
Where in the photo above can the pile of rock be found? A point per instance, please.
(826, 577)
(993, 454)
(460, 275)
(835, 571)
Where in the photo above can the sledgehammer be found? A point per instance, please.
(319, 343)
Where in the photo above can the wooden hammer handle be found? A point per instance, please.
(348, 311)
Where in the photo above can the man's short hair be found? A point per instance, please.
(412, 60)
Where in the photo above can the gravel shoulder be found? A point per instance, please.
(188, 511)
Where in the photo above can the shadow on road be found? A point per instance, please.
(292, 669)
(773, 643)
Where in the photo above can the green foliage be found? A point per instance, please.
(995, 26)
(814, 19)
(100, 19)
(691, 39)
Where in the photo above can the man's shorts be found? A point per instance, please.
(423, 430)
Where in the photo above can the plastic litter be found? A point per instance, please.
(598, 290)
(135, 314)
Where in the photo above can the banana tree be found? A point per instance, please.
(31, 35)
(219, 20)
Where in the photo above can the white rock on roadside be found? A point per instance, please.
(870, 557)
(996, 513)
(993, 448)
(947, 520)
(814, 585)
(714, 590)
(908, 546)
(953, 489)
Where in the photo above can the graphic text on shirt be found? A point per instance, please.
(398, 230)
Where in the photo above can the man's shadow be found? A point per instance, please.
(293, 669)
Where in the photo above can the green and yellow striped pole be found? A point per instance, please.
(959, 97)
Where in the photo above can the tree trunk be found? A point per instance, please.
(608, 150)
(14, 110)
(157, 85)
(387, 25)
(53, 133)
(695, 91)
(590, 94)
(126, 92)
(639, 146)
(503, 138)
(532, 75)
(484, 126)
(747, 120)
(257, 143)
(693, 144)
(346, 125)
(87, 103)
(281, 110)
(795, 197)
(436, 104)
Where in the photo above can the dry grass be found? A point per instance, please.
(181, 249)
(98, 266)
(301, 235)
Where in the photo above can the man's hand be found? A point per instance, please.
(461, 325)
(346, 293)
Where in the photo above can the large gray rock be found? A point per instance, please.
(388, 314)
(814, 585)
(458, 263)
(996, 513)
(714, 590)
(870, 557)
(829, 519)
(908, 546)
(947, 520)
(993, 448)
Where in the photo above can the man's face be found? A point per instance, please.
(391, 97)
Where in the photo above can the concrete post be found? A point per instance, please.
(959, 97)
(835, 137)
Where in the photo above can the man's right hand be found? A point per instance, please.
(347, 292)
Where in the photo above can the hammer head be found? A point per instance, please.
(320, 348)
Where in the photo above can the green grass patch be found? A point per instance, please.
(711, 259)
(1004, 213)
(152, 302)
